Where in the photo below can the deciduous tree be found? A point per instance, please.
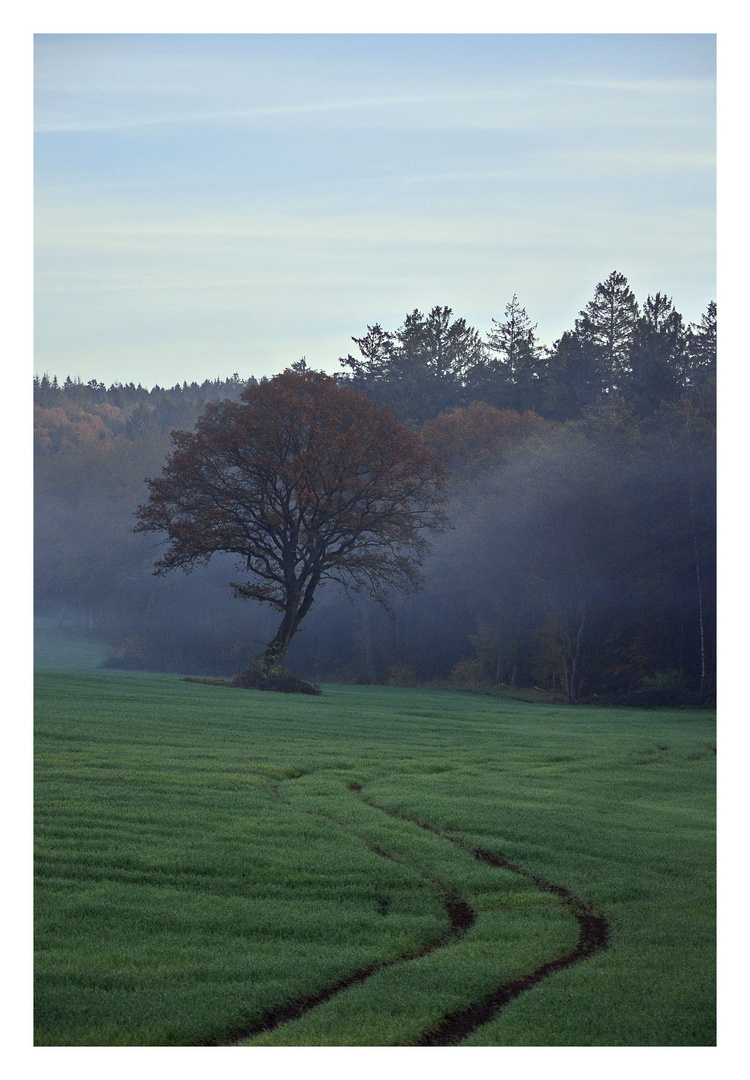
(304, 480)
(473, 442)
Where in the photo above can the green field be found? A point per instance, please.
(207, 855)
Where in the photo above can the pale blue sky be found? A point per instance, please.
(208, 204)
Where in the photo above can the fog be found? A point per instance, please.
(580, 561)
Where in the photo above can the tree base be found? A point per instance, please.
(283, 682)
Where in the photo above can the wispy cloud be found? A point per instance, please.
(263, 112)
(244, 200)
(640, 86)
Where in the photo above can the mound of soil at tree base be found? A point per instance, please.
(260, 678)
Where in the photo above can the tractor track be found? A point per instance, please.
(593, 937)
(453, 1028)
(461, 917)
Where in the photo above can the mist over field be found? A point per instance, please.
(580, 558)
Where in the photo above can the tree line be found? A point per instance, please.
(581, 484)
(642, 356)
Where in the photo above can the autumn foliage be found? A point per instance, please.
(475, 440)
(304, 480)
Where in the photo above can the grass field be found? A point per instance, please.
(206, 855)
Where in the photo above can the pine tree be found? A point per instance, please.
(513, 376)
(420, 369)
(658, 356)
(701, 347)
(607, 325)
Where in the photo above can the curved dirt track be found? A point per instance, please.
(593, 936)
(452, 1029)
(461, 917)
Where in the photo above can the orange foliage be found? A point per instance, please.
(473, 441)
(68, 423)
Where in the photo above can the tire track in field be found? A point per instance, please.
(453, 1028)
(593, 937)
(461, 918)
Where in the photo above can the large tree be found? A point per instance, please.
(304, 480)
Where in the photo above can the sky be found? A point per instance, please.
(212, 203)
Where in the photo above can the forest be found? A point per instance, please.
(581, 557)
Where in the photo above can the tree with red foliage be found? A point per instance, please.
(473, 442)
(305, 480)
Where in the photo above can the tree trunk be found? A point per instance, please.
(699, 588)
(575, 680)
(575, 648)
(364, 615)
(298, 605)
(575, 674)
(273, 658)
(566, 676)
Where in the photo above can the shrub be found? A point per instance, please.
(664, 690)
(401, 675)
(466, 671)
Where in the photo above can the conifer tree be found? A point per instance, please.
(514, 374)
(606, 325)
